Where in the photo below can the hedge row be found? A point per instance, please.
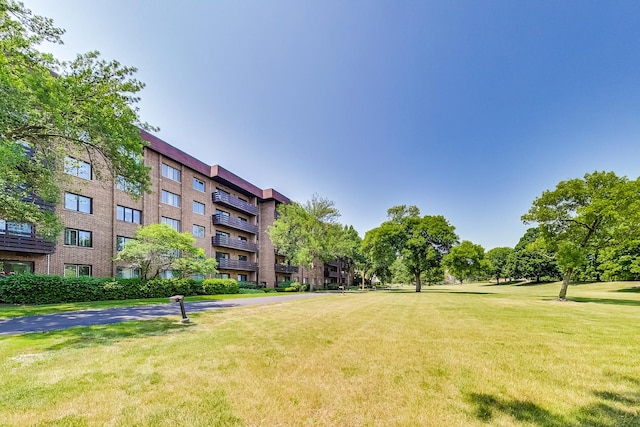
(43, 289)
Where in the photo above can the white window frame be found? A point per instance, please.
(170, 172)
(197, 184)
(198, 231)
(175, 223)
(198, 208)
(78, 168)
(171, 199)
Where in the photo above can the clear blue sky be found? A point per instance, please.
(468, 109)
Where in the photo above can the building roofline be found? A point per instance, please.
(215, 172)
(168, 150)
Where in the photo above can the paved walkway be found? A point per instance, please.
(52, 322)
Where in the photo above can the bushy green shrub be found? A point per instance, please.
(295, 287)
(43, 289)
(250, 285)
(220, 286)
(250, 291)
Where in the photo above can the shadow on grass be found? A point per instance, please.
(542, 282)
(511, 282)
(614, 301)
(633, 289)
(611, 410)
(89, 336)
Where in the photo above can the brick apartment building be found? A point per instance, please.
(226, 214)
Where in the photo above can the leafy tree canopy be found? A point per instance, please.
(465, 261)
(50, 109)
(420, 242)
(159, 247)
(584, 214)
(307, 234)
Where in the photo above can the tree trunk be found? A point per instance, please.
(362, 284)
(565, 284)
(418, 283)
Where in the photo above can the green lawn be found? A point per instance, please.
(459, 355)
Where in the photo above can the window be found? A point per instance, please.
(76, 202)
(175, 223)
(77, 168)
(170, 199)
(242, 219)
(198, 208)
(74, 237)
(16, 228)
(197, 276)
(222, 235)
(124, 185)
(171, 173)
(242, 238)
(198, 185)
(128, 215)
(222, 276)
(17, 267)
(127, 273)
(121, 241)
(77, 270)
(242, 277)
(198, 231)
(242, 258)
(222, 255)
(166, 274)
(222, 213)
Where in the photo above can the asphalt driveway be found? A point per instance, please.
(72, 319)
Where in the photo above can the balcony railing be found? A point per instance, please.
(235, 223)
(234, 264)
(234, 202)
(285, 268)
(25, 243)
(227, 242)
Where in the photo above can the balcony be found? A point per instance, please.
(234, 264)
(329, 273)
(25, 243)
(285, 268)
(236, 223)
(233, 202)
(226, 242)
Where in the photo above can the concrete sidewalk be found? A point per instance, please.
(72, 319)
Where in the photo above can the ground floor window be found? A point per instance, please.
(242, 277)
(17, 267)
(167, 274)
(127, 273)
(222, 276)
(77, 270)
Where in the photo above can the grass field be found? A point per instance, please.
(459, 355)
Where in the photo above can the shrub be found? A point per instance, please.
(249, 285)
(296, 287)
(220, 286)
(43, 289)
(250, 291)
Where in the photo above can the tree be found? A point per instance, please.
(306, 234)
(159, 247)
(346, 248)
(465, 261)
(581, 216)
(497, 262)
(420, 242)
(530, 258)
(50, 110)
